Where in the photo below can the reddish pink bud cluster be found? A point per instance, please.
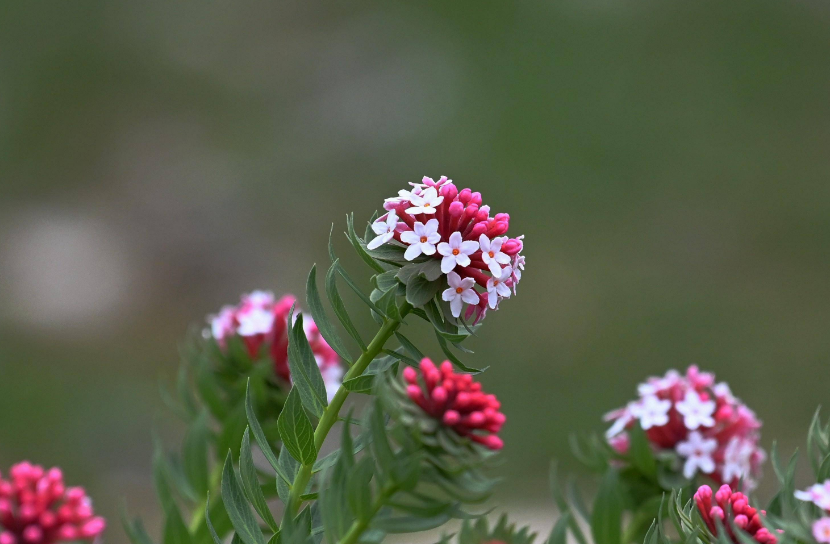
(37, 508)
(735, 506)
(711, 430)
(261, 320)
(455, 227)
(457, 401)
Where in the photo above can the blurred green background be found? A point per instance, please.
(668, 162)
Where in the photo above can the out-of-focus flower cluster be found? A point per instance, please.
(436, 220)
(36, 507)
(819, 494)
(261, 321)
(711, 430)
(456, 401)
(734, 506)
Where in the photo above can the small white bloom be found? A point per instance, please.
(652, 412)
(722, 390)
(256, 321)
(422, 239)
(456, 252)
(654, 384)
(385, 230)
(821, 530)
(518, 268)
(426, 202)
(221, 325)
(259, 298)
(460, 290)
(736, 459)
(818, 494)
(698, 453)
(491, 252)
(621, 420)
(496, 286)
(696, 412)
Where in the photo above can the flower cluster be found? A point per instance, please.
(710, 429)
(457, 401)
(735, 506)
(260, 321)
(37, 508)
(438, 221)
(819, 494)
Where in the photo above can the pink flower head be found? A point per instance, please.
(711, 430)
(821, 530)
(438, 221)
(457, 401)
(260, 320)
(735, 506)
(36, 507)
(818, 494)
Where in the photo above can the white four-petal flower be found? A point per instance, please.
(426, 202)
(818, 494)
(652, 412)
(385, 230)
(698, 453)
(456, 252)
(421, 239)
(497, 287)
(736, 459)
(255, 321)
(460, 290)
(491, 253)
(695, 411)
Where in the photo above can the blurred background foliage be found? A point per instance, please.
(668, 162)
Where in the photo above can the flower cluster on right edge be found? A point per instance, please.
(701, 422)
(819, 495)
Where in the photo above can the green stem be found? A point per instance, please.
(332, 412)
(360, 525)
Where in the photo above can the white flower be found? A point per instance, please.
(722, 390)
(460, 290)
(428, 182)
(385, 230)
(818, 494)
(698, 453)
(456, 252)
(821, 530)
(696, 412)
(256, 321)
(654, 384)
(518, 267)
(621, 420)
(491, 253)
(652, 412)
(496, 286)
(221, 325)
(422, 239)
(426, 202)
(736, 459)
(259, 298)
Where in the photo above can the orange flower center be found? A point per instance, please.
(491, 254)
(423, 239)
(455, 252)
(459, 290)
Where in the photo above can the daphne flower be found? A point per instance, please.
(456, 252)
(460, 290)
(492, 254)
(818, 494)
(497, 286)
(652, 412)
(385, 230)
(518, 268)
(427, 202)
(821, 530)
(256, 321)
(698, 453)
(456, 401)
(737, 459)
(36, 507)
(736, 507)
(422, 239)
(696, 412)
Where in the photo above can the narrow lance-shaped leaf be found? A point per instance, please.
(339, 308)
(259, 436)
(296, 431)
(237, 507)
(606, 519)
(318, 312)
(304, 370)
(216, 539)
(352, 236)
(250, 482)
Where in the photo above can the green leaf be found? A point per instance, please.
(361, 295)
(175, 531)
(261, 440)
(360, 384)
(135, 530)
(387, 280)
(304, 370)
(419, 290)
(606, 519)
(216, 539)
(161, 477)
(195, 454)
(296, 431)
(409, 346)
(250, 482)
(430, 269)
(359, 489)
(237, 507)
(388, 303)
(455, 360)
(410, 524)
(337, 305)
(640, 452)
(559, 534)
(318, 312)
(359, 247)
(289, 466)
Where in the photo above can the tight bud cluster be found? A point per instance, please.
(437, 220)
(261, 321)
(36, 507)
(711, 430)
(733, 510)
(456, 401)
